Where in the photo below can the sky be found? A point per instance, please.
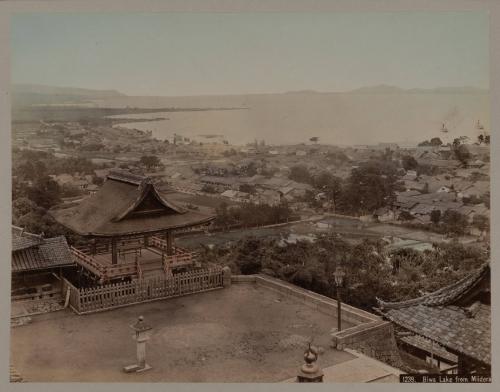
(171, 54)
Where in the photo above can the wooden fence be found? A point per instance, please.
(110, 296)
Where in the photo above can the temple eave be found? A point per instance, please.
(136, 227)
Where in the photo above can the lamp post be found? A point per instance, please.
(339, 275)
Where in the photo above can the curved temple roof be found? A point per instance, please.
(451, 316)
(127, 204)
(445, 296)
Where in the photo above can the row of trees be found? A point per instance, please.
(30, 164)
(372, 270)
(251, 215)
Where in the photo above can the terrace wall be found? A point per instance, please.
(375, 339)
(317, 301)
(370, 335)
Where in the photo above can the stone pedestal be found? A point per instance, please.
(310, 371)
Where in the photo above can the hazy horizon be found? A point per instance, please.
(380, 86)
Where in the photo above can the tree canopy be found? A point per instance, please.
(370, 186)
(150, 161)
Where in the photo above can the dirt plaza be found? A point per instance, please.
(244, 333)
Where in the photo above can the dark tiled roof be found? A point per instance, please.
(48, 253)
(445, 296)
(437, 317)
(427, 345)
(22, 240)
(449, 326)
(110, 211)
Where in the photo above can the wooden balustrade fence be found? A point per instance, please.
(110, 296)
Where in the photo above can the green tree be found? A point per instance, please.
(207, 188)
(405, 216)
(150, 161)
(454, 222)
(22, 206)
(435, 216)
(370, 187)
(409, 162)
(481, 222)
(331, 185)
(462, 154)
(300, 173)
(45, 192)
(247, 188)
(435, 141)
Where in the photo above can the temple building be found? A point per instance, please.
(452, 324)
(129, 226)
(37, 264)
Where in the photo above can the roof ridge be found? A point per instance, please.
(126, 176)
(434, 298)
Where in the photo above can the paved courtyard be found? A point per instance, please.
(245, 333)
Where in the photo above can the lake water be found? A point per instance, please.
(334, 118)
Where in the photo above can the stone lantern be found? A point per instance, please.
(141, 337)
(310, 371)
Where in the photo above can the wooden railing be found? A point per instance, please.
(123, 245)
(104, 272)
(89, 249)
(88, 262)
(110, 296)
(181, 258)
(120, 270)
(157, 242)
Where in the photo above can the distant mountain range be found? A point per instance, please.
(52, 90)
(36, 93)
(386, 89)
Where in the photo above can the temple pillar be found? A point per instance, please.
(94, 246)
(114, 258)
(170, 242)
